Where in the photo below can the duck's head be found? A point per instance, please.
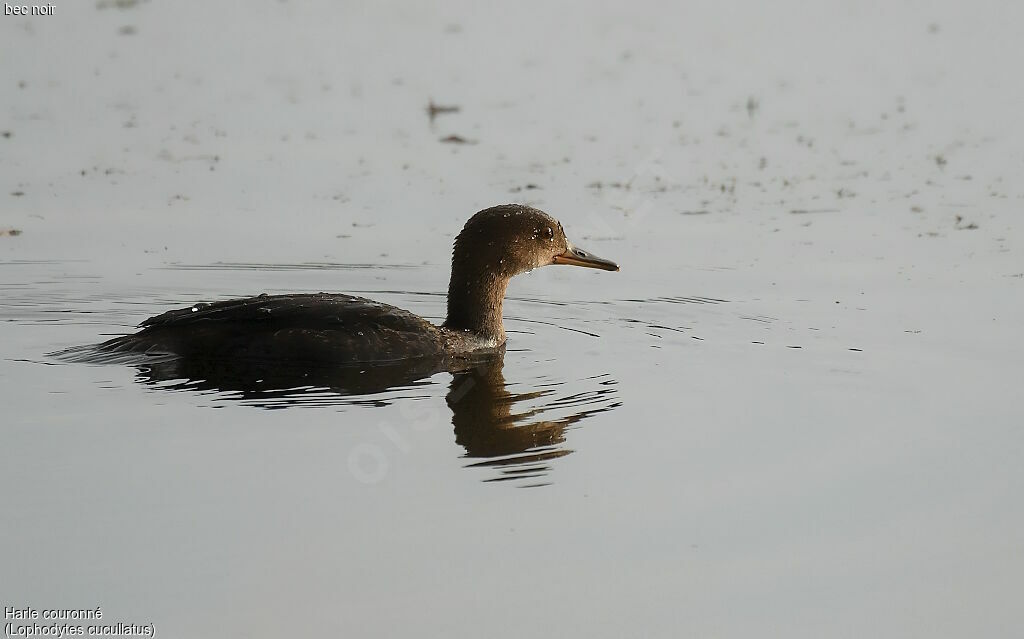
(495, 245)
(510, 239)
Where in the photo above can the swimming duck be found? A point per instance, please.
(495, 245)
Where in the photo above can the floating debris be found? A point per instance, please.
(457, 139)
(10, 232)
(752, 106)
(960, 226)
(526, 187)
(434, 110)
(611, 185)
(117, 4)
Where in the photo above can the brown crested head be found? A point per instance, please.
(506, 240)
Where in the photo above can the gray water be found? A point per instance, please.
(793, 413)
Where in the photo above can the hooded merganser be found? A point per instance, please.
(330, 328)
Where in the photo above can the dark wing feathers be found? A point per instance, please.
(318, 310)
(324, 327)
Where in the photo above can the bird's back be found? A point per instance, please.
(322, 327)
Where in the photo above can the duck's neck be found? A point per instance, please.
(474, 304)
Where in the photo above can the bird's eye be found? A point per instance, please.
(547, 233)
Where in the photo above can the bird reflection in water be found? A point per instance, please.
(516, 433)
